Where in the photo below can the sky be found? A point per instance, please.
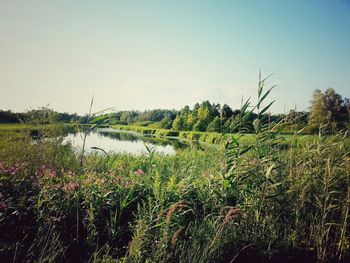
(167, 54)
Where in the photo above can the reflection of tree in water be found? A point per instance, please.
(178, 145)
(175, 143)
(120, 136)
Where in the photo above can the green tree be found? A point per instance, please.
(333, 103)
(215, 125)
(318, 110)
(166, 123)
(226, 112)
(179, 124)
(327, 108)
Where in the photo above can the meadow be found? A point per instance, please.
(239, 203)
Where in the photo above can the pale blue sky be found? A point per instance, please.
(167, 54)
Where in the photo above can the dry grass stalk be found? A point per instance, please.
(176, 235)
(232, 213)
(178, 205)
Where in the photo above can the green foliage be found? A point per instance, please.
(328, 108)
(179, 123)
(215, 125)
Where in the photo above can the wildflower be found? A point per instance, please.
(3, 206)
(90, 180)
(71, 187)
(12, 170)
(38, 173)
(117, 179)
(52, 173)
(127, 184)
(25, 164)
(2, 166)
(57, 186)
(70, 173)
(139, 172)
(100, 181)
(1, 195)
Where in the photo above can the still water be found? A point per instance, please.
(111, 140)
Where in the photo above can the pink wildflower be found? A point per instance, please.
(127, 184)
(71, 187)
(117, 180)
(57, 186)
(38, 173)
(3, 205)
(12, 170)
(139, 172)
(2, 165)
(90, 180)
(70, 173)
(52, 173)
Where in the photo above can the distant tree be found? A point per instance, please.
(200, 125)
(185, 110)
(129, 116)
(215, 125)
(179, 124)
(318, 110)
(226, 112)
(192, 118)
(9, 117)
(345, 111)
(333, 103)
(166, 123)
(293, 120)
(329, 108)
(205, 114)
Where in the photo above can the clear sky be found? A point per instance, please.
(167, 54)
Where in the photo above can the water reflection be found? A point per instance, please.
(127, 142)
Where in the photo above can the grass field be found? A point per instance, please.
(255, 203)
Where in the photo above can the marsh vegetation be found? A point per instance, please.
(264, 199)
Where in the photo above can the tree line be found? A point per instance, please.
(328, 108)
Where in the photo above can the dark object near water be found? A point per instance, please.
(36, 134)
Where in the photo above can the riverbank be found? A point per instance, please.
(211, 137)
(207, 137)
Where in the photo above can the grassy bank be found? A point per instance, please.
(28, 128)
(213, 137)
(207, 137)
